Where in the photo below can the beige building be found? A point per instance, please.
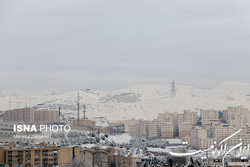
(236, 116)
(209, 116)
(188, 116)
(86, 157)
(21, 114)
(6, 130)
(127, 123)
(46, 116)
(167, 130)
(205, 143)
(91, 157)
(116, 158)
(245, 135)
(31, 157)
(154, 128)
(197, 133)
(140, 129)
(170, 118)
(164, 117)
(84, 122)
(185, 129)
(30, 115)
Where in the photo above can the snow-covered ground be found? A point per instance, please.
(121, 139)
(139, 101)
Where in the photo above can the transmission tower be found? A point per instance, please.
(172, 88)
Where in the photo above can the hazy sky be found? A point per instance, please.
(65, 45)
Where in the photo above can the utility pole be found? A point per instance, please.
(59, 109)
(9, 102)
(78, 108)
(172, 88)
(84, 111)
(25, 102)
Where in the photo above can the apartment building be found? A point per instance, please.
(140, 129)
(188, 116)
(91, 157)
(116, 128)
(167, 130)
(237, 116)
(185, 129)
(197, 133)
(166, 125)
(86, 157)
(245, 135)
(164, 117)
(205, 143)
(116, 158)
(30, 115)
(127, 123)
(32, 157)
(46, 116)
(6, 130)
(171, 118)
(22, 114)
(209, 116)
(154, 128)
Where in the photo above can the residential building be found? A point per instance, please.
(209, 116)
(140, 129)
(197, 133)
(167, 130)
(236, 116)
(30, 115)
(185, 129)
(50, 156)
(154, 129)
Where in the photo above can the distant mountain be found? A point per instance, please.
(7, 92)
(139, 101)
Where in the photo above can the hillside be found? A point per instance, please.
(139, 101)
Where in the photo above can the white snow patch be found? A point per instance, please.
(121, 139)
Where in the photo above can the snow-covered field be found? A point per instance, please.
(139, 101)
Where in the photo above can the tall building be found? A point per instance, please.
(139, 129)
(46, 116)
(185, 129)
(209, 116)
(167, 130)
(154, 128)
(170, 118)
(197, 134)
(190, 117)
(236, 116)
(22, 114)
(30, 115)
